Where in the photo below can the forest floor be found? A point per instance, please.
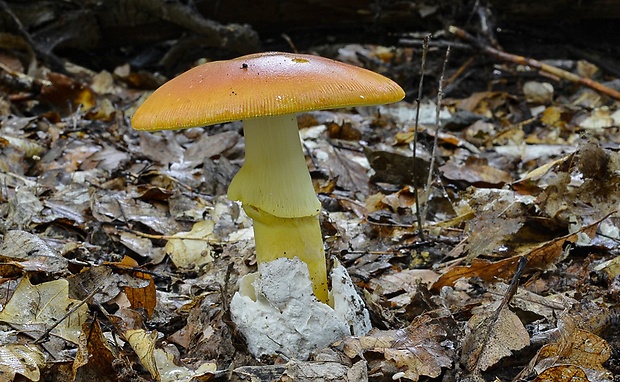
(120, 251)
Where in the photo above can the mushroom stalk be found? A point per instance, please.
(276, 191)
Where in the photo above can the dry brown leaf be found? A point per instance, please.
(24, 206)
(481, 102)
(325, 371)
(142, 297)
(403, 199)
(67, 94)
(527, 184)
(562, 373)
(344, 131)
(541, 257)
(414, 350)
(487, 341)
(209, 146)
(578, 348)
(108, 206)
(402, 286)
(396, 168)
(349, 174)
(94, 357)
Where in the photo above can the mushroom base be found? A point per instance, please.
(277, 312)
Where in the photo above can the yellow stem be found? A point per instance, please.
(277, 193)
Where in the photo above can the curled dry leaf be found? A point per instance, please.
(562, 373)
(415, 350)
(143, 344)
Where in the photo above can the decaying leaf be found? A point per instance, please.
(488, 340)
(20, 359)
(578, 348)
(299, 371)
(23, 207)
(562, 373)
(500, 214)
(192, 249)
(415, 350)
(108, 206)
(36, 308)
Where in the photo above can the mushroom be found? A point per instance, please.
(266, 91)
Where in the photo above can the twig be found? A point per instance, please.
(510, 292)
(405, 41)
(437, 128)
(70, 312)
(415, 138)
(52, 60)
(169, 237)
(520, 60)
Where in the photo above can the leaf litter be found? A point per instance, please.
(120, 252)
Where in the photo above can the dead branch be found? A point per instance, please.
(520, 60)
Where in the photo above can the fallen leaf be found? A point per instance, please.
(159, 362)
(30, 253)
(415, 350)
(397, 168)
(192, 249)
(20, 359)
(37, 308)
(488, 340)
(140, 296)
(94, 357)
(23, 207)
(541, 257)
(578, 348)
(143, 344)
(476, 172)
(562, 373)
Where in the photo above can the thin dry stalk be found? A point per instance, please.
(419, 216)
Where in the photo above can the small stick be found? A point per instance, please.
(597, 86)
(419, 216)
(440, 95)
(70, 312)
(169, 237)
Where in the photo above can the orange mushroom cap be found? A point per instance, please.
(261, 84)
